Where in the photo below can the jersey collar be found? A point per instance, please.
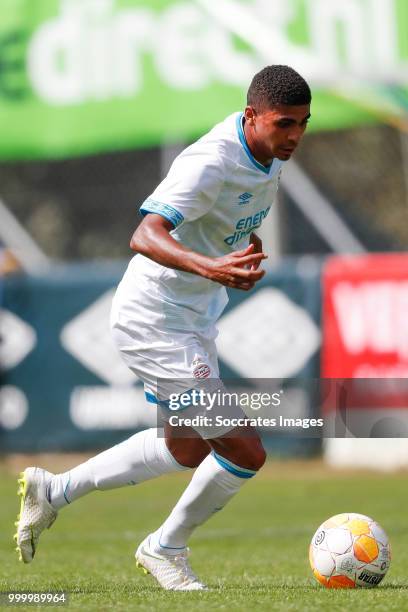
(276, 164)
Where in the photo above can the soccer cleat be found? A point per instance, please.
(36, 513)
(172, 572)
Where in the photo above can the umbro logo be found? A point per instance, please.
(244, 198)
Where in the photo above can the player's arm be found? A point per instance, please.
(152, 239)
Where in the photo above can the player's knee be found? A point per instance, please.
(189, 453)
(255, 457)
(245, 452)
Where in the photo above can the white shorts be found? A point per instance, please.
(168, 359)
(171, 363)
(158, 354)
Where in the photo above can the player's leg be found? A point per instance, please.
(186, 446)
(144, 456)
(235, 458)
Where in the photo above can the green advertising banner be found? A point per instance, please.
(83, 76)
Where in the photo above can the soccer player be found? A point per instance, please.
(197, 237)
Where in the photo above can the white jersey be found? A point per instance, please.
(215, 195)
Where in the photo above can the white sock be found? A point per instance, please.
(141, 457)
(215, 482)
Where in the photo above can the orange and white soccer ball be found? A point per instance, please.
(350, 550)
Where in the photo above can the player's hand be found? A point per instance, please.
(232, 270)
(257, 242)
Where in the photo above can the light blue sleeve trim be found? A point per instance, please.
(244, 143)
(165, 210)
(234, 469)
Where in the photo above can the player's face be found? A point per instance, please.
(276, 132)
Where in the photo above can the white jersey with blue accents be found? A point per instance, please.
(215, 195)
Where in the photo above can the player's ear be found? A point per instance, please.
(250, 114)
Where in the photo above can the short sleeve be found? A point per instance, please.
(190, 189)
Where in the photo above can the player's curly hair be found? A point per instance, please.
(278, 84)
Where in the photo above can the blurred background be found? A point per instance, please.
(97, 97)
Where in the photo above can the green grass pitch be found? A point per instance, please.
(253, 554)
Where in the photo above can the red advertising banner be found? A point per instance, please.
(365, 317)
(365, 331)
